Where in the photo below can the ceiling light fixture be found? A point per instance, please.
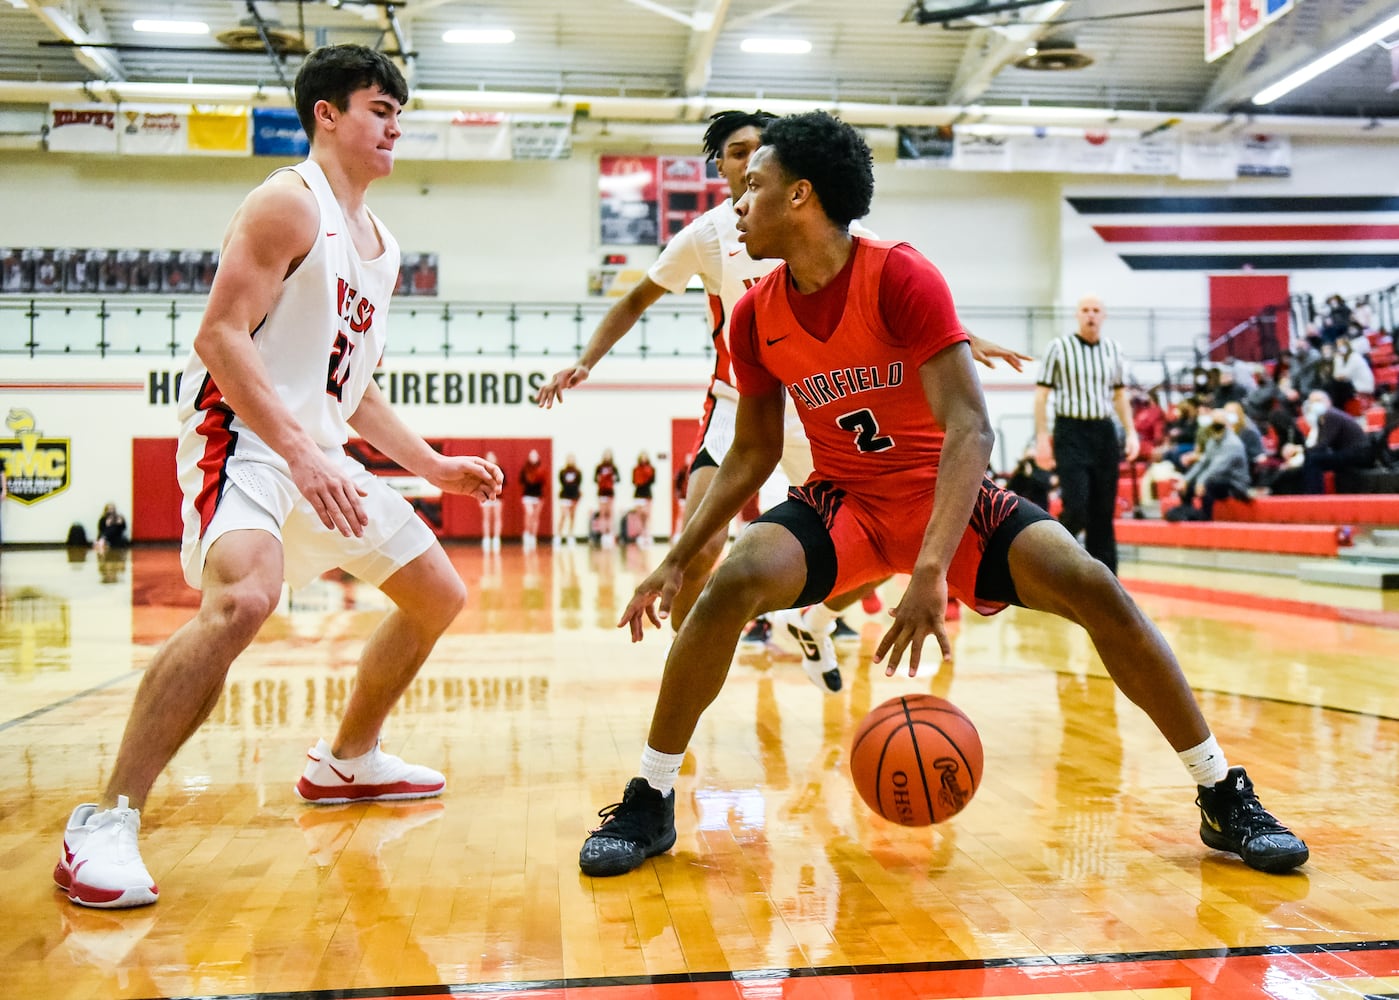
(479, 36)
(776, 46)
(171, 27)
(1322, 63)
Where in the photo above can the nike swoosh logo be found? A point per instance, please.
(332, 234)
(781, 338)
(348, 779)
(1209, 820)
(735, 253)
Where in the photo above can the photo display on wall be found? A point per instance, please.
(647, 200)
(104, 271)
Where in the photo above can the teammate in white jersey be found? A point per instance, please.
(281, 371)
(709, 247)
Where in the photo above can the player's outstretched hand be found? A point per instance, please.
(331, 493)
(919, 614)
(663, 583)
(988, 353)
(471, 475)
(551, 392)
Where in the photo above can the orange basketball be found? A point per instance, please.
(916, 759)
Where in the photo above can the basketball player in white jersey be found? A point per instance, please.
(709, 247)
(280, 373)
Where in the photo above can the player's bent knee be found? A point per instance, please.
(241, 610)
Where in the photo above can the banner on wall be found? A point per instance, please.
(541, 137)
(1248, 19)
(154, 132)
(36, 467)
(423, 136)
(479, 135)
(925, 145)
(628, 200)
(82, 129)
(219, 130)
(278, 132)
(1058, 150)
(1265, 156)
(1219, 28)
(1209, 157)
(1161, 152)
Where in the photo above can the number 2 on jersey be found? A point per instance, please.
(866, 429)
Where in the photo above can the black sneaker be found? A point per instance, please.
(759, 632)
(843, 632)
(1232, 819)
(641, 826)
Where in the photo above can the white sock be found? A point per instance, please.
(819, 619)
(1205, 762)
(660, 769)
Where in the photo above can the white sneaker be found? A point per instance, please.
(818, 652)
(374, 776)
(101, 865)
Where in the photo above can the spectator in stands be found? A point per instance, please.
(1204, 420)
(1363, 315)
(1351, 376)
(1149, 420)
(1359, 338)
(1308, 366)
(1030, 481)
(1222, 471)
(1335, 325)
(1180, 433)
(1204, 381)
(1249, 435)
(1336, 442)
(1228, 389)
(1260, 403)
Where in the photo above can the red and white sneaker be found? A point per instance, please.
(374, 776)
(101, 865)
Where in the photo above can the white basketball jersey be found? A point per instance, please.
(709, 246)
(320, 343)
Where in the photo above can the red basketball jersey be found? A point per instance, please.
(858, 392)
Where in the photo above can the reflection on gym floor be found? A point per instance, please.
(1076, 871)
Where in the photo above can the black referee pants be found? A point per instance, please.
(1087, 454)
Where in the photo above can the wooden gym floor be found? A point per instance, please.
(1076, 871)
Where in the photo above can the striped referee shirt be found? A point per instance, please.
(1083, 376)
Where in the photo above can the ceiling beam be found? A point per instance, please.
(991, 49)
(1285, 46)
(706, 24)
(81, 22)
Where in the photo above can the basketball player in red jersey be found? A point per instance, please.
(711, 248)
(282, 369)
(864, 336)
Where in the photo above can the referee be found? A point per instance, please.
(1086, 374)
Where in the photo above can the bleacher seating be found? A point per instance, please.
(1355, 509)
(1383, 360)
(1318, 540)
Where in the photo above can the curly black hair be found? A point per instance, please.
(830, 154)
(334, 72)
(723, 124)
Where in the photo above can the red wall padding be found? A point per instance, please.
(155, 514)
(155, 494)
